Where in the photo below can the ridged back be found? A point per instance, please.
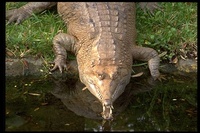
(105, 31)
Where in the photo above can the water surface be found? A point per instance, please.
(60, 104)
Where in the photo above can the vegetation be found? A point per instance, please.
(172, 30)
(34, 36)
(171, 106)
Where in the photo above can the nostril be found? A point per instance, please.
(107, 109)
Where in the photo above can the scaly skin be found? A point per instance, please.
(102, 36)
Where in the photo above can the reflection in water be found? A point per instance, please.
(170, 105)
(83, 103)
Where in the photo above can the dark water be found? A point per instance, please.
(60, 104)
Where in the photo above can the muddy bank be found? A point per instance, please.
(36, 67)
(24, 66)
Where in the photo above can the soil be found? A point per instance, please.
(32, 66)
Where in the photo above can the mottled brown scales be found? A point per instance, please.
(102, 36)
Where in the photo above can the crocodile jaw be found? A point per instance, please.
(107, 91)
(107, 112)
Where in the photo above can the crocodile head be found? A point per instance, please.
(106, 83)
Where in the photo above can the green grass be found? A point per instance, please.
(34, 36)
(169, 30)
(165, 31)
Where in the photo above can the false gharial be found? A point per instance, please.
(102, 35)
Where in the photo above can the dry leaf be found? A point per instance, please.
(34, 94)
(36, 109)
(137, 75)
(175, 60)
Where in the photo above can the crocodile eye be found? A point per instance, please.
(100, 76)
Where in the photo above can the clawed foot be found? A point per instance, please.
(150, 6)
(153, 81)
(162, 77)
(16, 15)
(60, 63)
